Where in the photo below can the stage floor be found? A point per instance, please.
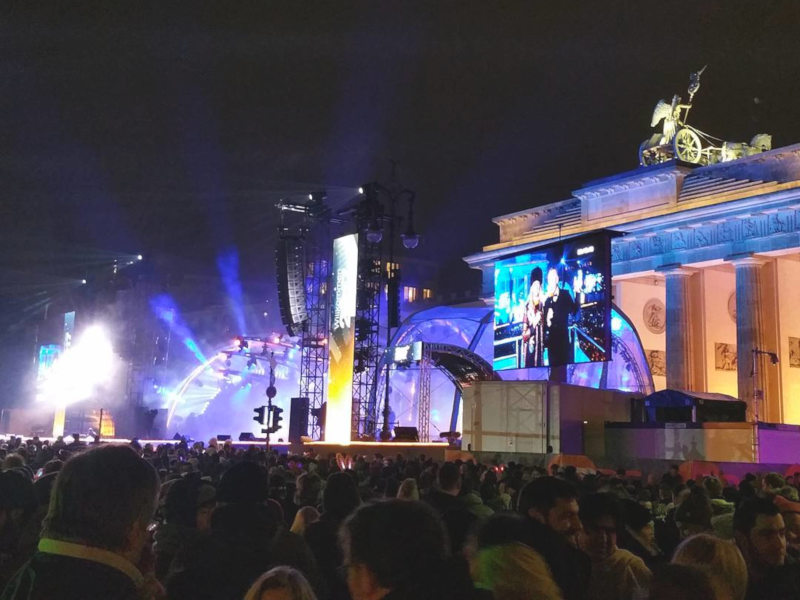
(435, 450)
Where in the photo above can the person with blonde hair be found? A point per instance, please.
(721, 559)
(304, 517)
(408, 490)
(281, 583)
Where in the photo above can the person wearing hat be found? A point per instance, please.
(188, 504)
(637, 534)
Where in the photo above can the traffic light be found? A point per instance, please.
(259, 418)
(276, 419)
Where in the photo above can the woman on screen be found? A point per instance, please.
(533, 322)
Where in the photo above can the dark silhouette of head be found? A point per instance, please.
(104, 497)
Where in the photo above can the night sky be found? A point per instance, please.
(173, 132)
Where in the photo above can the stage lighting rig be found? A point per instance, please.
(374, 215)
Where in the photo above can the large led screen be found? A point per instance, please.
(344, 276)
(552, 305)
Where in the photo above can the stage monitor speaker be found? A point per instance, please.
(298, 420)
(247, 436)
(290, 258)
(406, 434)
(223, 437)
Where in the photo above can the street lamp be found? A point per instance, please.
(758, 394)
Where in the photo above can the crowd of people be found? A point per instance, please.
(195, 521)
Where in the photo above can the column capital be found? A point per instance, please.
(746, 259)
(675, 269)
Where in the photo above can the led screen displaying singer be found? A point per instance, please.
(552, 305)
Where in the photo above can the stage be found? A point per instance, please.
(438, 451)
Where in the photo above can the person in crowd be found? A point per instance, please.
(616, 574)
(760, 534)
(721, 559)
(790, 493)
(503, 564)
(187, 513)
(19, 525)
(398, 550)
(550, 506)
(304, 517)
(472, 500)
(714, 488)
(682, 582)
(638, 534)
(281, 583)
(308, 488)
(790, 511)
(446, 502)
(339, 499)
(95, 537)
(672, 478)
(772, 483)
(14, 460)
(408, 490)
(490, 492)
(244, 540)
(694, 513)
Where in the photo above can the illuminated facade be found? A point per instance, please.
(708, 269)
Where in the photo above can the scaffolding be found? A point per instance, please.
(367, 345)
(310, 220)
(314, 342)
(424, 406)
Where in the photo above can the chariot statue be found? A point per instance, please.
(680, 140)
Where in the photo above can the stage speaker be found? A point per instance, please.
(406, 434)
(247, 436)
(223, 437)
(290, 258)
(298, 420)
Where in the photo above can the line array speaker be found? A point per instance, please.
(290, 257)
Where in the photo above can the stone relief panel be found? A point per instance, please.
(680, 239)
(749, 228)
(725, 357)
(703, 236)
(794, 352)
(654, 316)
(657, 359)
(725, 232)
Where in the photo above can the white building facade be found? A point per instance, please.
(708, 270)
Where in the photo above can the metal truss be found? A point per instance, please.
(424, 406)
(314, 341)
(367, 345)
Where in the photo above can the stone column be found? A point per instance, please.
(679, 347)
(749, 329)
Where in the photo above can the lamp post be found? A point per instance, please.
(393, 192)
(758, 394)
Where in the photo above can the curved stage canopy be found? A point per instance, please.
(217, 397)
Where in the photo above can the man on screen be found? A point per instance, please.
(558, 307)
